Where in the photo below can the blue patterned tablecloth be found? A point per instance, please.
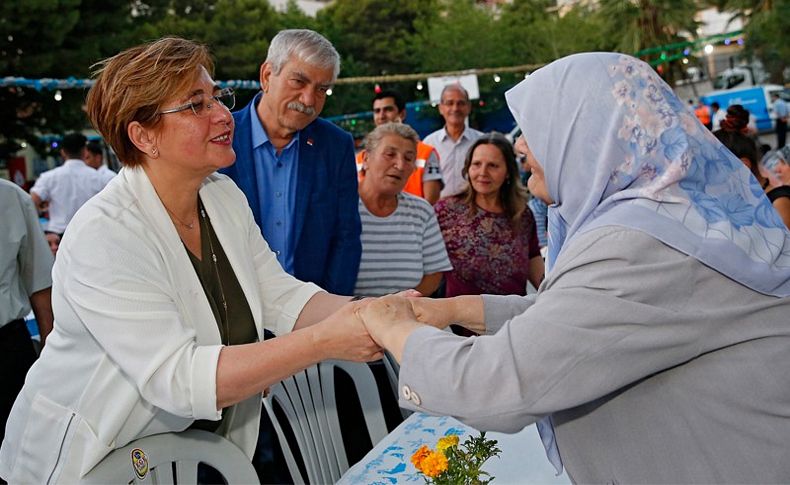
(522, 460)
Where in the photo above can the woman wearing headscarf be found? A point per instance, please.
(778, 164)
(655, 350)
(776, 168)
(163, 285)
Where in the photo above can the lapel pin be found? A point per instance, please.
(310, 141)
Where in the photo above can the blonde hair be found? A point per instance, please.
(134, 84)
(373, 139)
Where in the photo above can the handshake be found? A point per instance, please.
(361, 330)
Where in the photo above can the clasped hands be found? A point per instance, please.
(368, 327)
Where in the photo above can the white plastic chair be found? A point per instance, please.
(393, 370)
(174, 458)
(308, 401)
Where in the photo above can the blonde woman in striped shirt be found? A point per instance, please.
(402, 246)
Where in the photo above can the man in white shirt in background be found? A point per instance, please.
(25, 284)
(94, 158)
(64, 189)
(454, 139)
(717, 115)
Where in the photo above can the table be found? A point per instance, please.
(522, 461)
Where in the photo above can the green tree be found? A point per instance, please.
(766, 39)
(373, 37)
(537, 34)
(766, 23)
(464, 35)
(638, 24)
(294, 17)
(53, 39)
(376, 34)
(238, 34)
(746, 8)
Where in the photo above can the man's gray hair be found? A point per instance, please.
(404, 131)
(307, 45)
(454, 87)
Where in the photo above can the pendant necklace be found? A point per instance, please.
(224, 321)
(189, 226)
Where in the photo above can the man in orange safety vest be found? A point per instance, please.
(426, 180)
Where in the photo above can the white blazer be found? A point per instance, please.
(135, 346)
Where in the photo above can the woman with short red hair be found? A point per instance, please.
(164, 284)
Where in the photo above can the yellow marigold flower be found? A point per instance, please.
(434, 464)
(447, 442)
(419, 455)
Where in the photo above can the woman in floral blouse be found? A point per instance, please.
(489, 231)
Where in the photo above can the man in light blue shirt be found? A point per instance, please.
(297, 170)
(276, 177)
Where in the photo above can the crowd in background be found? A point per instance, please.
(447, 216)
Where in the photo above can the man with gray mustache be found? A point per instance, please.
(298, 171)
(308, 110)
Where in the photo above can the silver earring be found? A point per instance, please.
(154, 152)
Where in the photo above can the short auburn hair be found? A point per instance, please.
(134, 85)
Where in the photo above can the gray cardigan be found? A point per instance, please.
(655, 367)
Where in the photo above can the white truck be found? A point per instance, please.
(756, 99)
(740, 77)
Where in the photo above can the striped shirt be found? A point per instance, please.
(398, 250)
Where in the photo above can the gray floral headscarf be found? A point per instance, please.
(619, 148)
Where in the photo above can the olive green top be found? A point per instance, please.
(236, 325)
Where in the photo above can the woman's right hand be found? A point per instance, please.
(342, 335)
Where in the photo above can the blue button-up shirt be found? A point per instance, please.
(276, 177)
(780, 108)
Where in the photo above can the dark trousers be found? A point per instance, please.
(16, 356)
(781, 134)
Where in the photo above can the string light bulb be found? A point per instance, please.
(497, 78)
(58, 95)
(419, 85)
(329, 92)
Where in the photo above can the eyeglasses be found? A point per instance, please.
(200, 106)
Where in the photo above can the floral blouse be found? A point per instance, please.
(487, 254)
